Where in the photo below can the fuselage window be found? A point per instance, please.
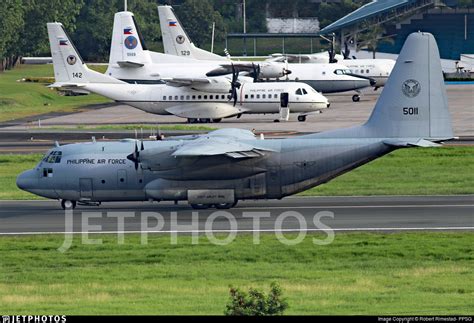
(54, 157)
(47, 172)
(367, 71)
(228, 97)
(164, 98)
(176, 97)
(182, 97)
(275, 96)
(205, 97)
(258, 96)
(264, 96)
(324, 73)
(199, 97)
(194, 97)
(246, 96)
(211, 97)
(251, 96)
(187, 97)
(170, 98)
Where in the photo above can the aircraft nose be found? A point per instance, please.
(27, 180)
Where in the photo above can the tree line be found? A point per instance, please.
(89, 22)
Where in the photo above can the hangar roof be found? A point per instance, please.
(369, 10)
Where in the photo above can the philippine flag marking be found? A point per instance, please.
(127, 31)
(63, 42)
(172, 24)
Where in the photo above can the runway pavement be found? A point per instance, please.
(390, 213)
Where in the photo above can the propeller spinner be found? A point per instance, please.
(135, 156)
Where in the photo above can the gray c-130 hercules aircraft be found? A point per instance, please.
(227, 165)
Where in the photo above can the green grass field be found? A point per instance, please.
(22, 99)
(415, 171)
(402, 274)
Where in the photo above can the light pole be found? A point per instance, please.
(245, 27)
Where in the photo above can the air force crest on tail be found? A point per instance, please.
(411, 88)
(71, 59)
(180, 39)
(131, 42)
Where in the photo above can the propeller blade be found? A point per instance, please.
(142, 147)
(255, 74)
(235, 97)
(346, 52)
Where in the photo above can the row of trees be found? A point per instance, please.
(23, 22)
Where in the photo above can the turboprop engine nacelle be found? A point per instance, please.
(272, 70)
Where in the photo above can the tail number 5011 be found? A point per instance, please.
(410, 111)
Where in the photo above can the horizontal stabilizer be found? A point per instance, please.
(129, 64)
(411, 143)
(66, 85)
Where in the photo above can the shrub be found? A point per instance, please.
(255, 302)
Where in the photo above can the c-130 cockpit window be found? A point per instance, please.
(53, 157)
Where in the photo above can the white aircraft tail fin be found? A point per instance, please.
(177, 42)
(128, 48)
(413, 103)
(69, 68)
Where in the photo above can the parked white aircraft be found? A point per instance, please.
(376, 69)
(132, 62)
(202, 99)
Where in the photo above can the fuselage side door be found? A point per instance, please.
(85, 188)
(284, 99)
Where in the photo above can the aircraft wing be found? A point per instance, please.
(185, 81)
(215, 146)
(292, 58)
(226, 132)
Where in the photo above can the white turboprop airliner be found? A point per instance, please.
(376, 69)
(130, 61)
(203, 100)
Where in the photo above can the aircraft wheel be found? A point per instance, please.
(192, 120)
(217, 120)
(205, 120)
(356, 98)
(68, 204)
(301, 118)
(200, 206)
(224, 205)
(276, 120)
